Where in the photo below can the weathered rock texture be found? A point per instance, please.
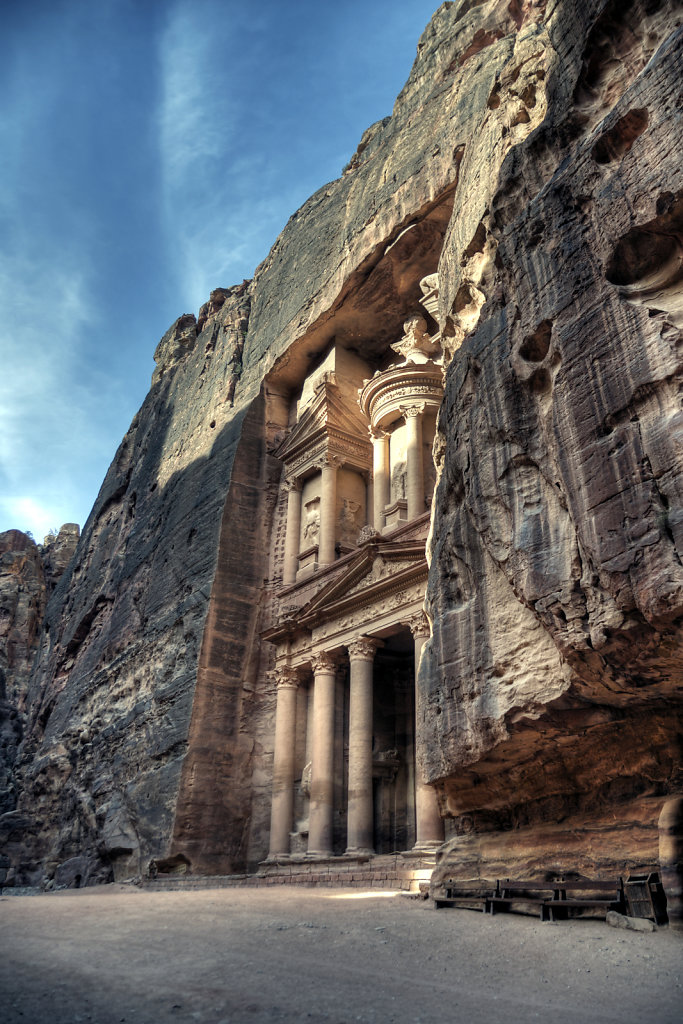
(534, 157)
(28, 575)
(556, 592)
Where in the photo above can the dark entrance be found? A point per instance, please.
(394, 745)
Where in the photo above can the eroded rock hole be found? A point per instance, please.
(639, 255)
(493, 101)
(521, 117)
(535, 346)
(647, 264)
(477, 244)
(615, 143)
(540, 382)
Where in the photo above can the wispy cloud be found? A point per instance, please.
(70, 109)
(219, 217)
(48, 419)
(46, 430)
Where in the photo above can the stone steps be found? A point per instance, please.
(406, 873)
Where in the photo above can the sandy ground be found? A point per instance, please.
(119, 955)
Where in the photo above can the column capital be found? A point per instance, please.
(377, 434)
(364, 648)
(324, 661)
(418, 625)
(329, 459)
(413, 409)
(293, 483)
(286, 678)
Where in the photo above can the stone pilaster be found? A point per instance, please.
(381, 479)
(293, 531)
(328, 511)
(360, 810)
(428, 822)
(322, 778)
(414, 469)
(282, 807)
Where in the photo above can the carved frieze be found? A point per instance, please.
(384, 394)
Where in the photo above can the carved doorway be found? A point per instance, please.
(394, 745)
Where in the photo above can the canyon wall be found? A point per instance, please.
(29, 573)
(533, 158)
(554, 674)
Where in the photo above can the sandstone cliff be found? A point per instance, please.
(534, 158)
(556, 591)
(28, 574)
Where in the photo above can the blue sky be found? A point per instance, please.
(150, 151)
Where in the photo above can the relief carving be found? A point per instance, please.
(398, 481)
(311, 522)
(349, 520)
(416, 346)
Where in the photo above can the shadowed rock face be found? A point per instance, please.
(28, 574)
(532, 156)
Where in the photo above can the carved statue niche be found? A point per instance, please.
(398, 481)
(311, 525)
(299, 837)
(349, 523)
(416, 346)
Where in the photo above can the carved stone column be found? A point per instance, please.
(282, 807)
(328, 511)
(415, 470)
(322, 778)
(293, 531)
(428, 822)
(360, 812)
(381, 479)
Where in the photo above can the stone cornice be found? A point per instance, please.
(326, 428)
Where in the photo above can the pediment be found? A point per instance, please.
(326, 417)
(378, 568)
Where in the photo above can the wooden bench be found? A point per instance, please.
(552, 896)
(468, 895)
(536, 892)
(611, 895)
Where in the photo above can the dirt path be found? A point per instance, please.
(119, 955)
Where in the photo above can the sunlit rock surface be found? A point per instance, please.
(533, 157)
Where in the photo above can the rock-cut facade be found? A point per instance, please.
(390, 557)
